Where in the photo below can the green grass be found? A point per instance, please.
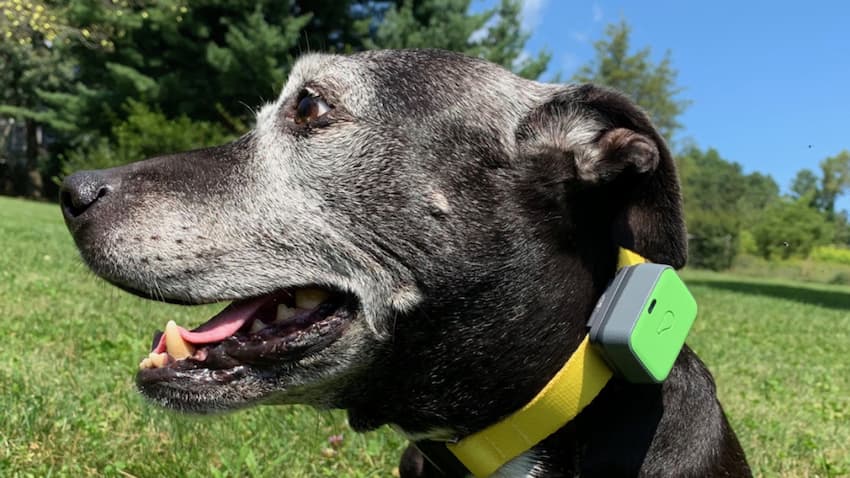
(779, 352)
(796, 269)
(778, 349)
(71, 345)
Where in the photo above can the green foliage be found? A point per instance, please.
(790, 228)
(717, 195)
(842, 227)
(713, 240)
(710, 183)
(759, 191)
(652, 86)
(719, 201)
(833, 254)
(804, 188)
(254, 52)
(429, 24)
(73, 66)
(504, 41)
(207, 60)
(747, 243)
(835, 180)
(493, 34)
(821, 192)
(29, 62)
(144, 133)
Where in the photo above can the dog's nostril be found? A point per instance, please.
(80, 191)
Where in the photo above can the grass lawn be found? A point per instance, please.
(778, 349)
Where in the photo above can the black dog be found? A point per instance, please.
(419, 238)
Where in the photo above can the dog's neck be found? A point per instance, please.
(604, 436)
(561, 400)
(629, 429)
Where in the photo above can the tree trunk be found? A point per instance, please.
(34, 182)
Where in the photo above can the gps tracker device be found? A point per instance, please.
(641, 321)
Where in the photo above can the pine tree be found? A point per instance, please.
(494, 34)
(652, 86)
(207, 60)
(505, 40)
(210, 62)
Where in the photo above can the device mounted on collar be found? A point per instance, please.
(636, 331)
(641, 321)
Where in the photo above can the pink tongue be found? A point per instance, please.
(225, 323)
(222, 326)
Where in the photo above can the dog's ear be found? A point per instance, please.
(596, 139)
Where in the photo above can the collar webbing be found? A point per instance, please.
(571, 389)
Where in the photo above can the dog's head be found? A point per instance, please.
(460, 221)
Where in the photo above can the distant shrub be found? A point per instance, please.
(747, 243)
(795, 268)
(842, 278)
(833, 254)
(790, 229)
(713, 240)
(143, 134)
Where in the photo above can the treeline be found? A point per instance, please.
(91, 84)
(729, 212)
(96, 83)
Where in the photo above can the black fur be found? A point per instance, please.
(498, 203)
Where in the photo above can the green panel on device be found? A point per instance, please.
(641, 321)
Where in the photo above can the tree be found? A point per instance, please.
(504, 42)
(790, 228)
(171, 54)
(720, 202)
(34, 61)
(711, 187)
(820, 193)
(206, 61)
(494, 34)
(842, 228)
(835, 180)
(760, 191)
(29, 61)
(652, 86)
(804, 188)
(210, 61)
(144, 133)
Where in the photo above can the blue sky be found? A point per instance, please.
(769, 81)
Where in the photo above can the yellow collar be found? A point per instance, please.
(562, 399)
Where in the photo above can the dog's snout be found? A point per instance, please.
(80, 191)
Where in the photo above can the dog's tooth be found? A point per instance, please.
(174, 343)
(284, 313)
(256, 326)
(158, 360)
(145, 364)
(309, 298)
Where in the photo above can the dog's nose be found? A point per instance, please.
(80, 191)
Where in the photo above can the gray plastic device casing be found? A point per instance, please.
(616, 314)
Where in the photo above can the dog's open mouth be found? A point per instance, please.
(283, 326)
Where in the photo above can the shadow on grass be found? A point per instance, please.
(824, 298)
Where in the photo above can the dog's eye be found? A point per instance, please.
(310, 108)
